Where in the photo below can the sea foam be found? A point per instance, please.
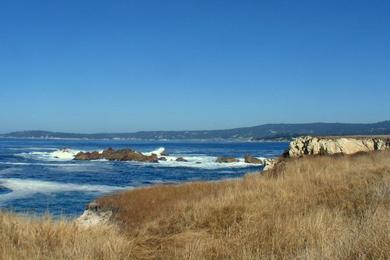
(57, 155)
(22, 188)
(192, 161)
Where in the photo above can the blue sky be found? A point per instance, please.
(96, 66)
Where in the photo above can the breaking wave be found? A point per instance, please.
(22, 188)
(202, 162)
(57, 155)
(197, 161)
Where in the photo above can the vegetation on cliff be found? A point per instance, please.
(313, 207)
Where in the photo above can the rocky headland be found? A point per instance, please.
(309, 145)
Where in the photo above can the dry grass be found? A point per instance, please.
(317, 207)
(309, 208)
(42, 238)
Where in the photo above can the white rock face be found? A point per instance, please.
(93, 216)
(269, 164)
(308, 145)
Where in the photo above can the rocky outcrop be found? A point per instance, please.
(94, 215)
(88, 156)
(117, 155)
(226, 160)
(181, 159)
(269, 164)
(308, 145)
(253, 160)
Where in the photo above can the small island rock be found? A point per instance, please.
(226, 160)
(253, 160)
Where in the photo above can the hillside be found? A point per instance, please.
(322, 207)
(266, 132)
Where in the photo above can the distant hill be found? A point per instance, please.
(261, 132)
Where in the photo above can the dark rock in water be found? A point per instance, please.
(88, 156)
(181, 159)
(108, 152)
(251, 159)
(226, 160)
(162, 159)
(117, 155)
(164, 153)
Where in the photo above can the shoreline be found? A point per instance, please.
(343, 197)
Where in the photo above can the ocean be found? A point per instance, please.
(38, 177)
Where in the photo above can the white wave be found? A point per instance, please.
(202, 162)
(158, 152)
(193, 161)
(198, 161)
(22, 188)
(57, 155)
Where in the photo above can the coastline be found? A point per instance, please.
(232, 218)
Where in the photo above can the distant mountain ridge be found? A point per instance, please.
(261, 132)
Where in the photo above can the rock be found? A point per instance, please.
(269, 164)
(226, 160)
(181, 159)
(162, 159)
(94, 215)
(253, 160)
(117, 155)
(108, 152)
(88, 156)
(308, 145)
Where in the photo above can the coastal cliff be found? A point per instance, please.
(308, 145)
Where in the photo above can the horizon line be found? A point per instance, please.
(139, 131)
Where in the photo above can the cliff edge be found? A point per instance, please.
(308, 145)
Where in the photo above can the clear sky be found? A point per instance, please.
(118, 66)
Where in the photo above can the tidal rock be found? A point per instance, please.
(162, 159)
(253, 160)
(88, 156)
(181, 159)
(117, 155)
(226, 160)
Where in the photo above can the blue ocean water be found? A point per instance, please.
(37, 177)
